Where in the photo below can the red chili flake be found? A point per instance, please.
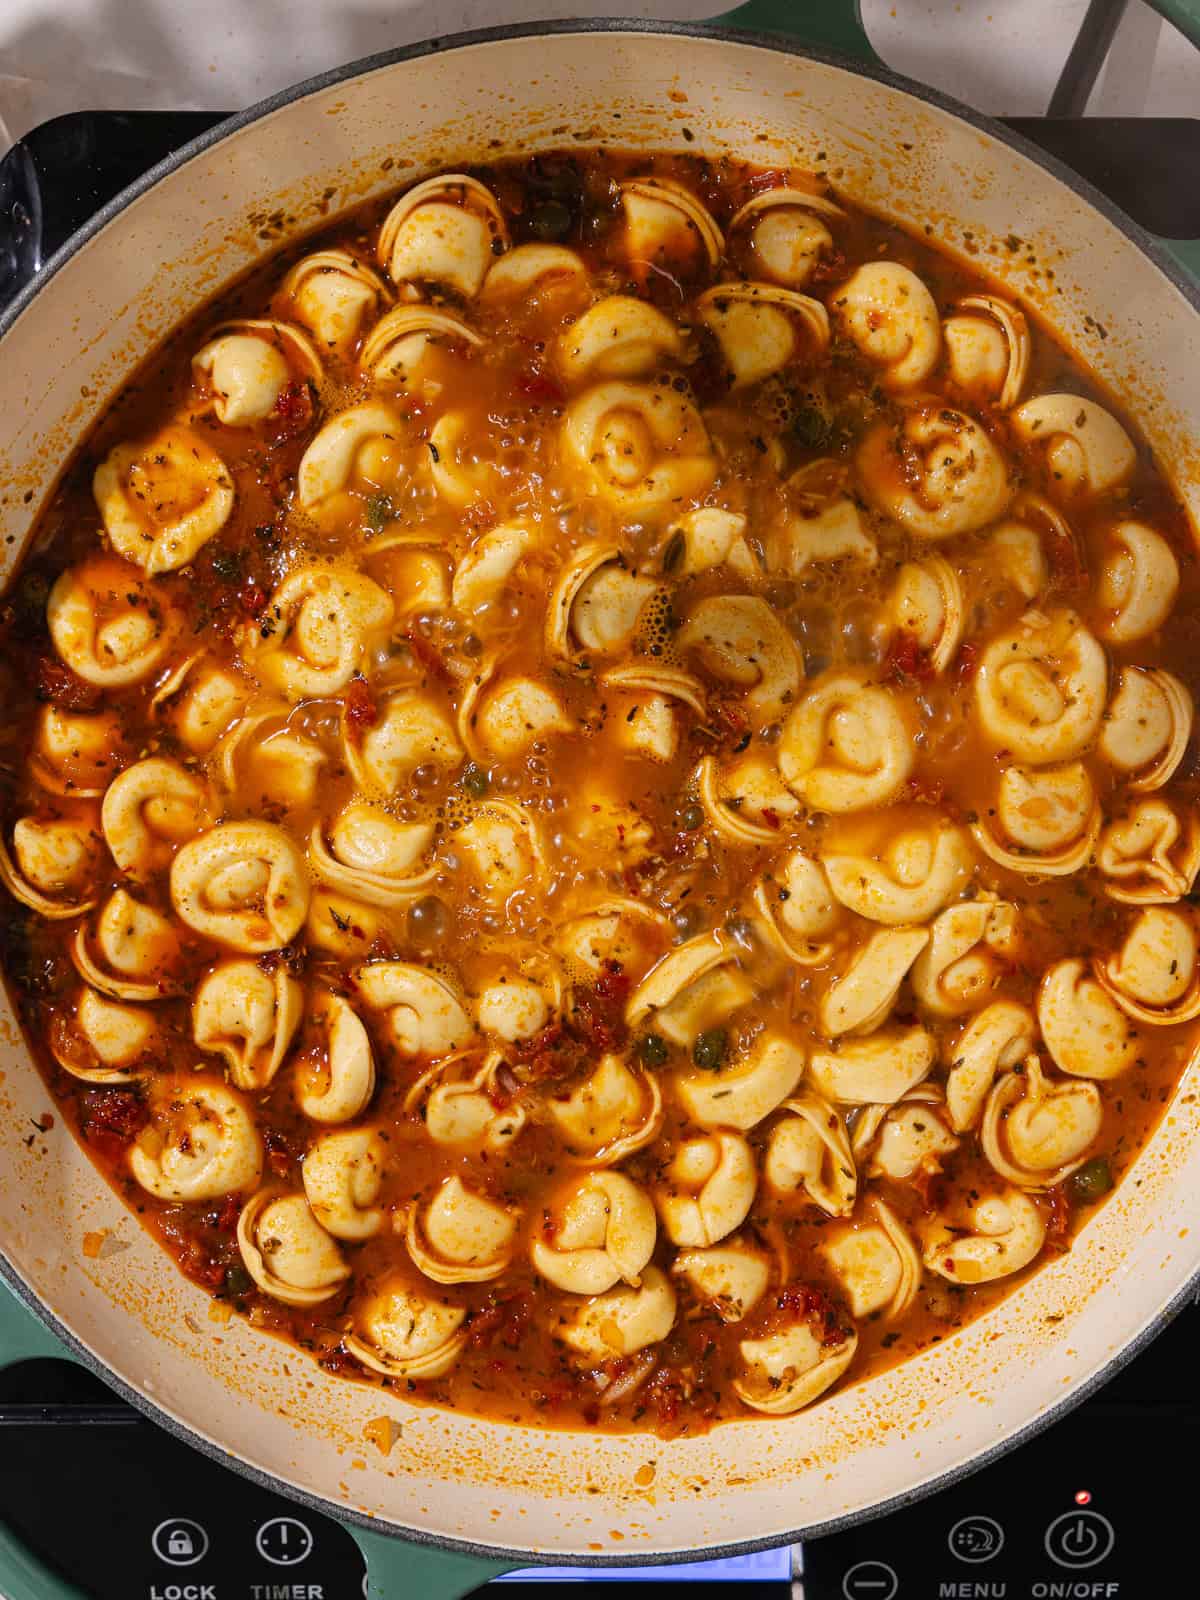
(58, 684)
(771, 818)
(342, 1363)
(906, 659)
(539, 388)
(597, 1012)
(360, 707)
(207, 1271)
(252, 599)
(226, 1219)
(427, 653)
(110, 1119)
(279, 1155)
(664, 1393)
(509, 1318)
(1064, 558)
(831, 268)
(1058, 1223)
(813, 1305)
(294, 400)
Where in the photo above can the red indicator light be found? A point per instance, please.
(1083, 1497)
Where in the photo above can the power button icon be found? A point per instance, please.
(1079, 1539)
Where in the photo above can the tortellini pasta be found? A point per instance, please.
(106, 625)
(248, 366)
(622, 1321)
(938, 474)
(332, 293)
(1146, 727)
(1035, 1131)
(425, 1014)
(287, 1252)
(201, 1143)
(248, 1016)
(325, 623)
(243, 884)
(878, 1265)
(784, 233)
(1084, 446)
(1153, 977)
(163, 499)
(987, 349)
(761, 327)
(846, 746)
(739, 639)
(445, 231)
(1151, 855)
(809, 1151)
(910, 880)
(343, 1173)
(149, 810)
(743, 1094)
(890, 315)
(1138, 583)
(1005, 1232)
(336, 1086)
(602, 1234)
(639, 448)
(788, 1370)
(402, 1332)
(461, 1236)
(1041, 687)
(708, 1189)
(612, 1113)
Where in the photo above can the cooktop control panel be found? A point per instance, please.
(1099, 1507)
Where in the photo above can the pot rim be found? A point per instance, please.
(783, 44)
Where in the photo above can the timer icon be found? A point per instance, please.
(976, 1539)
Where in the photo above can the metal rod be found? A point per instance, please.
(1086, 57)
(24, 1414)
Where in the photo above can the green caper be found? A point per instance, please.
(238, 1281)
(550, 220)
(1091, 1181)
(709, 1049)
(691, 818)
(475, 780)
(652, 1050)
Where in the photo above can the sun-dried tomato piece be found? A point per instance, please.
(64, 688)
(360, 706)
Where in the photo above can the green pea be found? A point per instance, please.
(1091, 1181)
(709, 1049)
(652, 1050)
(550, 220)
(691, 818)
(475, 780)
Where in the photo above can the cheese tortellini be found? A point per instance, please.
(163, 498)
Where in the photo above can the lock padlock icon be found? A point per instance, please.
(180, 1544)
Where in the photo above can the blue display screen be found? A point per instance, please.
(762, 1566)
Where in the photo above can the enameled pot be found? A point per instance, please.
(491, 1495)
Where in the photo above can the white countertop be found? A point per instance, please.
(1002, 56)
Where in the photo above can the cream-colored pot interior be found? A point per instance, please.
(269, 1405)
